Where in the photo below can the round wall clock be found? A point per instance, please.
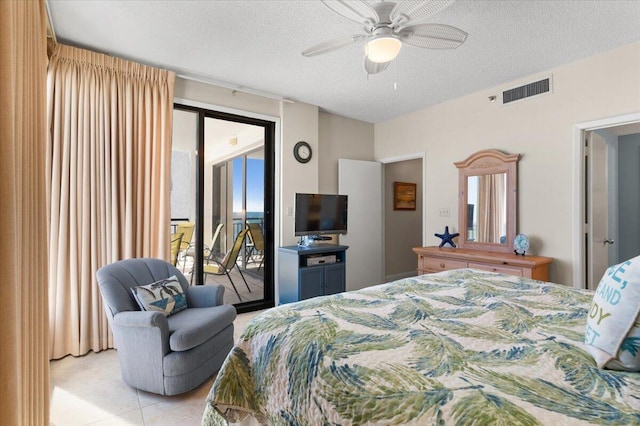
(521, 244)
(302, 152)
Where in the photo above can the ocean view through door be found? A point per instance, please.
(233, 222)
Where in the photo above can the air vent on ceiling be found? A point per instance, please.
(528, 90)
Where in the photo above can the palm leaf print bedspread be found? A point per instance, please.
(454, 348)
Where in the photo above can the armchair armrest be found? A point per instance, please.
(144, 325)
(142, 340)
(204, 296)
(141, 319)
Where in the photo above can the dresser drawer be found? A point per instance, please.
(437, 259)
(437, 265)
(497, 268)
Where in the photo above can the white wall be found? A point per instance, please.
(540, 129)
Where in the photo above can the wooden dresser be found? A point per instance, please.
(435, 259)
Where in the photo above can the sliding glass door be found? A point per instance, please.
(233, 197)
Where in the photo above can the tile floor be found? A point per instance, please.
(89, 390)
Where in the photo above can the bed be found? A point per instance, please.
(457, 347)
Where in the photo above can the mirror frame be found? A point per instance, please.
(487, 162)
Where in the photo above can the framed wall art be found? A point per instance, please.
(404, 196)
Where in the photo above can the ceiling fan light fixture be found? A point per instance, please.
(382, 49)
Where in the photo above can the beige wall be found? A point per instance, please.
(403, 228)
(207, 93)
(299, 123)
(340, 137)
(540, 129)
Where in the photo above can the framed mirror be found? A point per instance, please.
(487, 201)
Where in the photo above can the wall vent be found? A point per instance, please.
(528, 90)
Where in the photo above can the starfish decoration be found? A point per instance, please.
(447, 238)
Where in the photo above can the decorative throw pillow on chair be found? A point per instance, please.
(612, 335)
(164, 296)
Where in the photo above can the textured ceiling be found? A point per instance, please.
(257, 44)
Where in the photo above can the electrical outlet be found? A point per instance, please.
(444, 212)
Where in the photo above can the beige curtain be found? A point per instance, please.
(24, 365)
(491, 207)
(108, 177)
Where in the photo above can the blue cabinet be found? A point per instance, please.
(306, 272)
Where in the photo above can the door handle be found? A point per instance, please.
(605, 242)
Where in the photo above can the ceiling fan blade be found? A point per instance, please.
(433, 36)
(358, 11)
(334, 44)
(374, 67)
(415, 10)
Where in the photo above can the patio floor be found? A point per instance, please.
(253, 276)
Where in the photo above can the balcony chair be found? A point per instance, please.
(186, 228)
(167, 355)
(229, 261)
(210, 252)
(176, 240)
(257, 237)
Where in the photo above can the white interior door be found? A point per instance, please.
(362, 182)
(597, 214)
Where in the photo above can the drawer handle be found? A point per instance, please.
(442, 265)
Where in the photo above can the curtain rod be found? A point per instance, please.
(233, 87)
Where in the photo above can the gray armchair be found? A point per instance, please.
(159, 354)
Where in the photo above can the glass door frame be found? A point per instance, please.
(269, 127)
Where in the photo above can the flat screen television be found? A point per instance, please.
(318, 214)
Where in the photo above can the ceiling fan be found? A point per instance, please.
(389, 25)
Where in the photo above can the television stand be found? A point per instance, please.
(311, 271)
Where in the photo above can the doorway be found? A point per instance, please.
(369, 185)
(609, 197)
(403, 225)
(223, 190)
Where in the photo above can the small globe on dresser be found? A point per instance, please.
(521, 244)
